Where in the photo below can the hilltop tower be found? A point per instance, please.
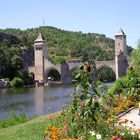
(40, 55)
(120, 53)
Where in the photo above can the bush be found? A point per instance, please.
(127, 86)
(17, 82)
(87, 112)
(28, 81)
(23, 74)
(119, 85)
(59, 59)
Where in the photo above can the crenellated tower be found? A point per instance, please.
(40, 56)
(120, 53)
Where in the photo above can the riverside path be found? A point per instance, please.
(133, 116)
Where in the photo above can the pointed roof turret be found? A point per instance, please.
(40, 38)
(120, 32)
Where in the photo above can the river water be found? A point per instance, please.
(34, 101)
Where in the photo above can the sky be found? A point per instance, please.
(88, 16)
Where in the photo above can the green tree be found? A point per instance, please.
(5, 64)
(17, 62)
(3, 60)
(136, 58)
(23, 74)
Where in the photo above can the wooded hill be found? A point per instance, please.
(61, 44)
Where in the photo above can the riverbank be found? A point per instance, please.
(35, 129)
(133, 116)
(31, 130)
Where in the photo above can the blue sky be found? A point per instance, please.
(95, 16)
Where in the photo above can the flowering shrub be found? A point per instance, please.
(128, 86)
(95, 136)
(88, 108)
(125, 130)
(53, 133)
(123, 104)
(91, 115)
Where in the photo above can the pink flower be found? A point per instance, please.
(115, 138)
(65, 128)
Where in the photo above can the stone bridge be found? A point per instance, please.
(72, 65)
(99, 65)
(44, 69)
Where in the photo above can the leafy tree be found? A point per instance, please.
(3, 60)
(136, 58)
(17, 62)
(23, 74)
(66, 43)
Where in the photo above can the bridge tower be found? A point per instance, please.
(40, 56)
(120, 53)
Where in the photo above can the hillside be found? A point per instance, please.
(62, 44)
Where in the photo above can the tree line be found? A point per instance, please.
(16, 47)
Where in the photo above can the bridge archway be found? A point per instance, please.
(106, 74)
(52, 74)
(32, 75)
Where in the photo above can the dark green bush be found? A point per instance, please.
(127, 86)
(119, 85)
(23, 74)
(17, 82)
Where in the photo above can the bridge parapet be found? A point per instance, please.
(74, 64)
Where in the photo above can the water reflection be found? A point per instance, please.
(34, 101)
(39, 100)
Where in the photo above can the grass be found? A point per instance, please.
(13, 120)
(31, 130)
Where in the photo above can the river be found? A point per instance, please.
(34, 101)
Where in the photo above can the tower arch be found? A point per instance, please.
(52, 74)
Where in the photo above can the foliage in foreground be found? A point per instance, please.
(86, 113)
(128, 86)
(91, 114)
